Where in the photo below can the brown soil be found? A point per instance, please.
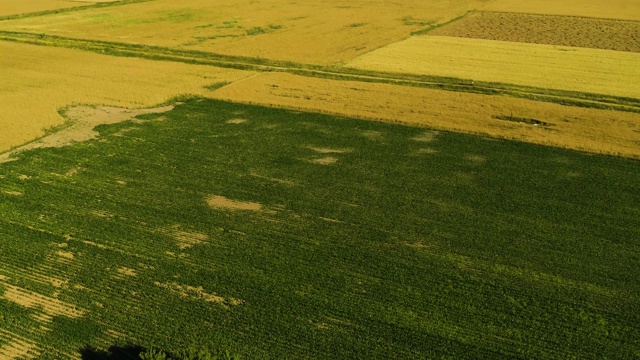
(328, 160)
(593, 33)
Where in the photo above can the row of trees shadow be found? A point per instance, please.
(136, 352)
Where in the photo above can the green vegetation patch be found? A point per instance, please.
(273, 234)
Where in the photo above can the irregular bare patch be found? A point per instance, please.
(198, 293)
(477, 159)
(236, 121)
(65, 254)
(325, 160)
(24, 177)
(329, 151)
(18, 348)
(83, 120)
(420, 245)
(221, 202)
(125, 271)
(12, 193)
(280, 181)
(372, 135)
(101, 214)
(330, 220)
(185, 239)
(32, 300)
(427, 151)
(427, 136)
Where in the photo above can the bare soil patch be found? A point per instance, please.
(198, 293)
(222, 202)
(185, 239)
(327, 160)
(83, 120)
(573, 31)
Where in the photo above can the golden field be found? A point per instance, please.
(14, 7)
(545, 66)
(600, 131)
(610, 9)
(38, 81)
(324, 32)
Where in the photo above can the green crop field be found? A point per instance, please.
(275, 234)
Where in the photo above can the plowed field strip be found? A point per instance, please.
(590, 130)
(593, 33)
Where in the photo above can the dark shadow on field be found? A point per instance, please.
(126, 352)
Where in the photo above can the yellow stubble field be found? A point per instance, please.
(591, 130)
(38, 81)
(319, 32)
(546, 66)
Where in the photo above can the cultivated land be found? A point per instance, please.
(14, 7)
(546, 66)
(546, 29)
(321, 32)
(593, 130)
(39, 81)
(614, 9)
(280, 234)
(291, 229)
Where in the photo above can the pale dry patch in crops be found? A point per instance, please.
(612, 9)
(236, 121)
(126, 272)
(573, 31)
(65, 254)
(324, 32)
(545, 66)
(12, 193)
(83, 119)
(322, 150)
(476, 159)
(37, 81)
(427, 136)
(17, 347)
(32, 300)
(600, 131)
(270, 178)
(327, 160)
(198, 293)
(101, 214)
(426, 151)
(185, 239)
(221, 202)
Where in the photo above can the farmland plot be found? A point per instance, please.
(546, 29)
(14, 7)
(613, 9)
(321, 32)
(545, 66)
(599, 131)
(38, 81)
(281, 234)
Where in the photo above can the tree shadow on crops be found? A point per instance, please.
(115, 352)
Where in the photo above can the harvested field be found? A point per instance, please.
(592, 130)
(611, 9)
(574, 31)
(312, 32)
(545, 66)
(39, 81)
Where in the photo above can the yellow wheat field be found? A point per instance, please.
(38, 81)
(591, 130)
(14, 7)
(611, 9)
(321, 32)
(546, 66)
